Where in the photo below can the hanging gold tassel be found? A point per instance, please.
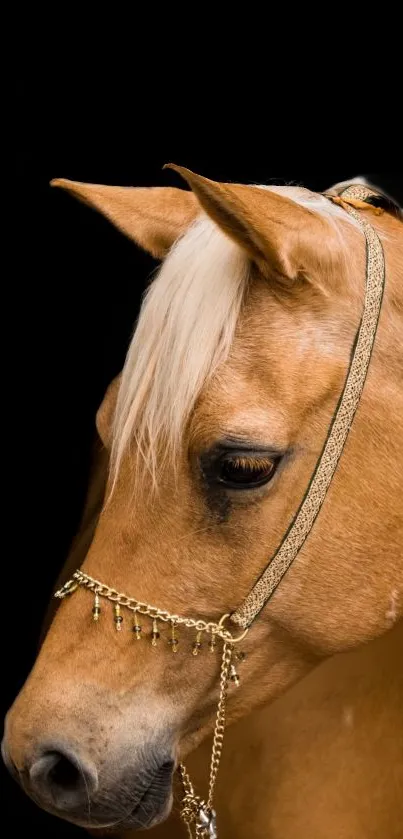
(136, 627)
(197, 644)
(173, 641)
(155, 633)
(234, 675)
(118, 617)
(213, 643)
(96, 611)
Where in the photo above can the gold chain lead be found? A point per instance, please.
(194, 809)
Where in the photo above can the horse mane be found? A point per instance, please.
(184, 332)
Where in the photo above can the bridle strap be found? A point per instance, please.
(343, 417)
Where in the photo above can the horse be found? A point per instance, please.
(233, 378)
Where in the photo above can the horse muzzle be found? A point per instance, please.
(69, 785)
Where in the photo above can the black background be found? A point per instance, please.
(76, 285)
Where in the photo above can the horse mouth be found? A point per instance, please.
(152, 806)
(151, 810)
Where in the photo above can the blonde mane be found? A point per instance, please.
(184, 332)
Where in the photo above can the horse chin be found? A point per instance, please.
(147, 814)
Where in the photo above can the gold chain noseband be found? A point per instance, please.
(195, 811)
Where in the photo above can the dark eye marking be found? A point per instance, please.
(235, 465)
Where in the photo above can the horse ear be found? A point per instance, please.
(273, 229)
(154, 217)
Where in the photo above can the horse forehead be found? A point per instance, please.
(240, 400)
(259, 386)
(272, 347)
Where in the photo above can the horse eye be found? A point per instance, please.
(246, 471)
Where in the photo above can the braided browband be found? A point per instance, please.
(348, 403)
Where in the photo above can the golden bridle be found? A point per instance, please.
(195, 811)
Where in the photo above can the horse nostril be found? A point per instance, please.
(63, 773)
(63, 780)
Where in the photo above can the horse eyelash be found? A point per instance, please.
(250, 463)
